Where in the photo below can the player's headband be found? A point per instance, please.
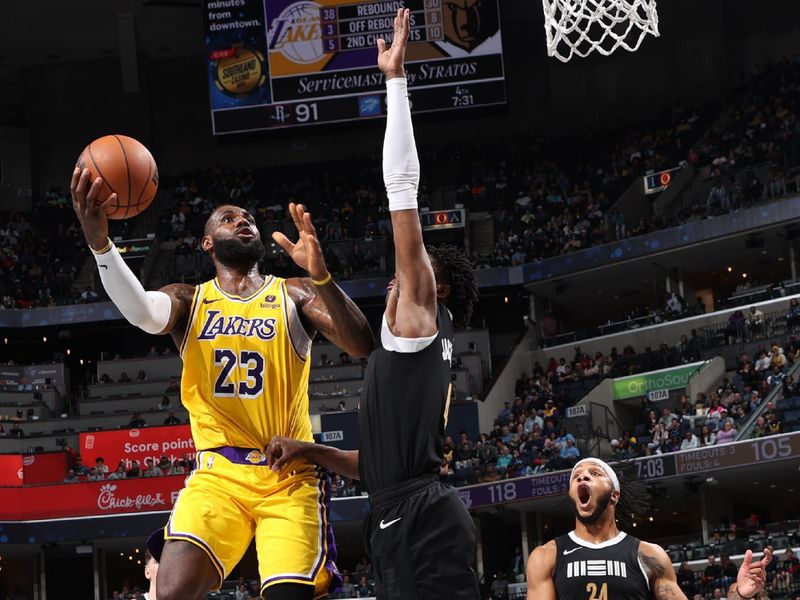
(609, 471)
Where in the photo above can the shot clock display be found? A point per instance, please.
(281, 63)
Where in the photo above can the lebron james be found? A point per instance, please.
(245, 340)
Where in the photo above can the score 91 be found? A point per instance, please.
(306, 112)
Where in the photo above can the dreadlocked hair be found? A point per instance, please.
(634, 500)
(458, 273)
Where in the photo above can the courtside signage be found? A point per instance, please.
(644, 383)
(127, 445)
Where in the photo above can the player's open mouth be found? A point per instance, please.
(584, 495)
(245, 232)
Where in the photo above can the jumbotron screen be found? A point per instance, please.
(284, 63)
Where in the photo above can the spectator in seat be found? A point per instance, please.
(760, 429)
(793, 314)
(344, 359)
(71, 477)
(241, 592)
(790, 388)
(119, 473)
(365, 589)
(690, 441)
(136, 421)
(151, 470)
(94, 475)
(569, 453)
(504, 460)
(101, 466)
(164, 463)
(707, 437)
(773, 424)
(364, 568)
(666, 416)
(736, 326)
(792, 563)
(164, 404)
(729, 571)
(347, 589)
(171, 419)
(686, 579)
(172, 386)
(104, 378)
(80, 469)
(711, 574)
(134, 471)
(141, 376)
(123, 378)
(16, 431)
(659, 436)
(727, 435)
(755, 322)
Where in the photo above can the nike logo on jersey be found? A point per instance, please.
(103, 266)
(211, 300)
(571, 551)
(384, 524)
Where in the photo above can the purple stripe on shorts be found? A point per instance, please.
(206, 547)
(242, 456)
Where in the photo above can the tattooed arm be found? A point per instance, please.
(660, 573)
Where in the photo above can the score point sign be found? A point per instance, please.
(136, 444)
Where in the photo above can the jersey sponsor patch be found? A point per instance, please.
(596, 568)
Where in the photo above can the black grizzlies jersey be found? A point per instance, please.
(402, 414)
(607, 571)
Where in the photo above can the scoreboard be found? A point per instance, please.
(285, 63)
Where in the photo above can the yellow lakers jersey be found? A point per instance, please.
(245, 367)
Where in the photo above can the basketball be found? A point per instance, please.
(127, 169)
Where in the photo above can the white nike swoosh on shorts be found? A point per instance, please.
(383, 524)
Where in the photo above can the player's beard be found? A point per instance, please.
(602, 505)
(235, 253)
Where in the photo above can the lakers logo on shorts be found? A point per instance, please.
(256, 457)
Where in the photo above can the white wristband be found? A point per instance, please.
(149, 311)
(400, 160)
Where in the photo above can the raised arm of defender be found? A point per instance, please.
(412, 307)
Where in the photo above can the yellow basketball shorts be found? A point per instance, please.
(227, 500)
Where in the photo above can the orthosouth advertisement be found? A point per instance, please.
(665, 379)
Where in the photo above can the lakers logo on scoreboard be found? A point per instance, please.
(240, 72)
(297, 33)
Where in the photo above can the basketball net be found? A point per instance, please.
(584, 26)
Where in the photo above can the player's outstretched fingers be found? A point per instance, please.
(308, 225)
(283, 242)
(381, 46)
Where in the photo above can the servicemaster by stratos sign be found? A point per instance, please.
(666, 379)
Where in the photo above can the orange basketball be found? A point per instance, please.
(127, 168)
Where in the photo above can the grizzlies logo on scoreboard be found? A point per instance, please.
(469, 23)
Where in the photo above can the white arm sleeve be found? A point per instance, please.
(149, 311)
(400, 160)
